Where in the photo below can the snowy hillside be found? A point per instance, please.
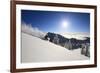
(35, 49)
(32, 30)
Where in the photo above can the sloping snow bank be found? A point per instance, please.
(32, 30)
(37, 50)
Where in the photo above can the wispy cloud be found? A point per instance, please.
(34, 31)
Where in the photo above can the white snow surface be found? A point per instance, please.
(34, 49)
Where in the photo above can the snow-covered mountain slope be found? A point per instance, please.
(27, 28)
(37, 50)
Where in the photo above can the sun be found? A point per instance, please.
(65, 24)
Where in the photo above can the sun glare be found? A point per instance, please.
(65, 24)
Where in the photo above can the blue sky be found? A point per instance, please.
(52, 21)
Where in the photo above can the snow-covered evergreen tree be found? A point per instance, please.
(85, 49)
(68, 45)
(56, 39)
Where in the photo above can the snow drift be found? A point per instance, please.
(34, 31)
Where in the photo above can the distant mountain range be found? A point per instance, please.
(62, 41)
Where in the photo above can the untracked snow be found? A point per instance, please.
(35, 49)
